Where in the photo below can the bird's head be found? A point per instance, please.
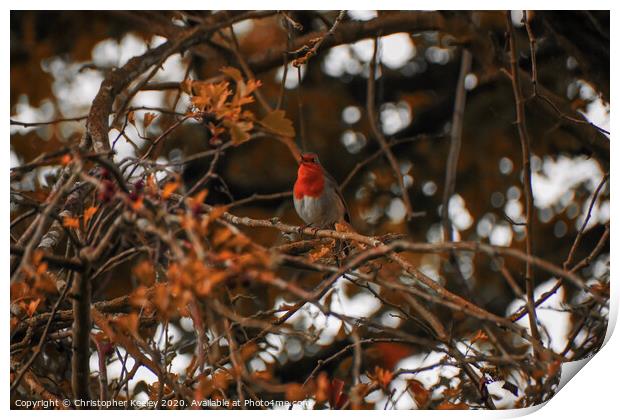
(309, 164)
(309, 159)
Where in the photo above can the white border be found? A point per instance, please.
(592, 394)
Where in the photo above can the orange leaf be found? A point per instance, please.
(382, 377)
(148, 119)
(392, 353)
(600, 288)
(239, 132)
(251, 86)
(129, 323)
(14, 324)
(151, 184)
(447, 405)
(262, 375)
(553, 368)
(169, 188)
(217, 212)
(538, 374)
(89, 213)
(420, 393)
(336, 397)
(131, 118)
(319, 253)
(37, 256)
(221, 236)
(295, 392)
(71, 222)
(322, 388)
(186, 86)
(137, 204)
(66, 159)
(199, 198)
(32, 307)
(480, 336)
(221, 379)
(41, 268)
(145, 272)
(278, 123)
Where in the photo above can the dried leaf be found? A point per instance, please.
(221, 236)
(169, 188)
(89, 213)
(148, 119)
(41, 268)
(31, 308)
(295, 392)
(131, 118)
(323, 388)
(278, 123)
(336, 397)
(129, 323)
(186, 86)
(145, 272)
(140, 297)
(382, 377)
(239, 132)
(480, 336)
(19, 290)
(262, 375)
(553, 368)
(392, 353)
(600, 289)
(221, 379)
(45, 284)
(66, 159)
(244, 90)
(538, 374)
(71, 222)
(216, 212)
(137, 204)
(210, 96)
(200, 196)
(447, 405)
(421, 395)
(151, 185)
(37, 256)
(319, 253)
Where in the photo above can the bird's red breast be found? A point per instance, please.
(310, 180)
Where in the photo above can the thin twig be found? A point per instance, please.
(532, 39)
(372, 118)
(526, 174)
(39, 346)
(456, 135)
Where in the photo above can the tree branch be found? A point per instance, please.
(526, 175)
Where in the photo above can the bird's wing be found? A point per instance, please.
(332, 181)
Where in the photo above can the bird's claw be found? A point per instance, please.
(315, 229)
(300, 229)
